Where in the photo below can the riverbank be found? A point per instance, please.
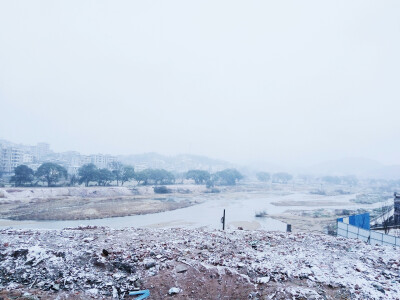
(101, 263)
(187, 206)
(78, 203)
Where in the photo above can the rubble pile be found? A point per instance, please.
(103, 263)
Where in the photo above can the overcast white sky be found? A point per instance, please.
(279, 81)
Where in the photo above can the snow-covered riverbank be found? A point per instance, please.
(104, 263)
(188, 206)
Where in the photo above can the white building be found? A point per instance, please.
(101, 160)
(10, 158)
(141, 166)
(41, 150)
(27, 158)
(73, 170)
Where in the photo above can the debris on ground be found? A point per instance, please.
(174, 290)
(103, 263)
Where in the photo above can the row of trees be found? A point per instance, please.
(119, 172)
(283, 177)
(52, 173)
(155, 176)
(280, 177)
(49, 173)
(123, 173)
(224, 177)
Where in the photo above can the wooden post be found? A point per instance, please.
(223, 221)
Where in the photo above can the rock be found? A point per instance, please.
(93, 292)
(118, 276)
(263, 279)
(149, 264)
(124, 267)
(105, 253)
(253, 295)
(181, 268)
(55, 287)
(60, 254)
(19, 253)
(41, 284)
(174, 290)
(98, 263)
(114, 292)
(379, 288)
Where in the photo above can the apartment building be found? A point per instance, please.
(101, 160)
(13, 155)
(10, 158)
(40, 151)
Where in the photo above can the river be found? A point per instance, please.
(240, 212)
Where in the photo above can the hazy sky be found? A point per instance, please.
(279, 81)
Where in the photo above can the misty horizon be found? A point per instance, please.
(359, 166)
(292, 85)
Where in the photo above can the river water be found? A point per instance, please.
(240, 212)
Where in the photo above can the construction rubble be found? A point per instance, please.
(103, 263)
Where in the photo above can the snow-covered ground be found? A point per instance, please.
(26, 194)
(202, 264)
(21, 194)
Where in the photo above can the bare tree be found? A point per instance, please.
(385, 208)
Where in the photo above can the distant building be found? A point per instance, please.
(85, 159)
(12, 155)
(73, 170)
(101, 160)
(141, 166)
(10, 158)
(27, 158)
(40, 151)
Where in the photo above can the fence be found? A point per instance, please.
(368, 236)
(361, 220)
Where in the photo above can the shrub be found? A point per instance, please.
(261, 214)
(161, 190)
(213, 191)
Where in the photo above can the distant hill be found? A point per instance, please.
(362, 167)
(177, 163)
(387, 172)
(262, 166)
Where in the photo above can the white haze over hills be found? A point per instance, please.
(360, 167)
(290, 82)
(180, 163)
